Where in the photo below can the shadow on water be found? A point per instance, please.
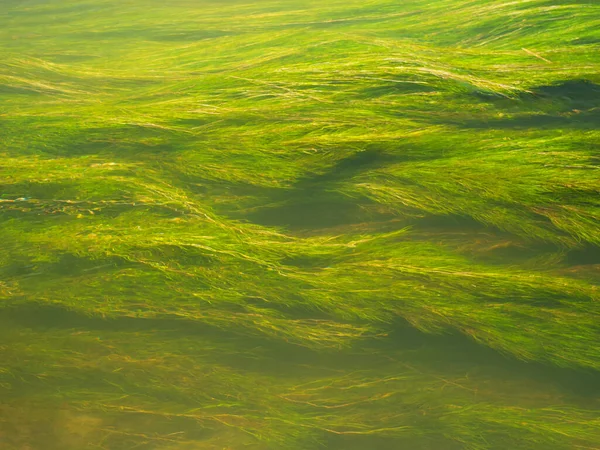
(584, 120)
(314, 209)
(314, 202)
(569, 104)
(586, 255)
(571, 93)
(457, 350)
(440, 352)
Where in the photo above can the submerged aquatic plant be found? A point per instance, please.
(297, 225)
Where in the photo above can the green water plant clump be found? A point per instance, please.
(292, 224)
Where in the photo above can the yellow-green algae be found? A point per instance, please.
(291, 224)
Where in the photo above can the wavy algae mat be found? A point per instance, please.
(299, 224)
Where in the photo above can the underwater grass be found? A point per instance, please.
(118, 377)
(297, 225)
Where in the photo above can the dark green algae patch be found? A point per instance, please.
(272, 225)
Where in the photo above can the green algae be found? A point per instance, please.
(296, 225)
